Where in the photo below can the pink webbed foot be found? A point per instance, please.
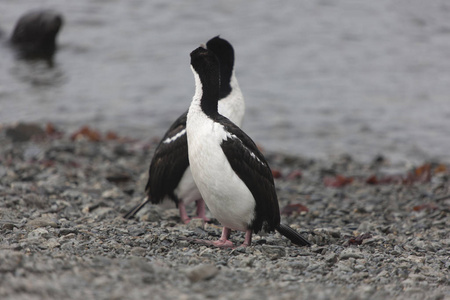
(218, 243)
(223, 242)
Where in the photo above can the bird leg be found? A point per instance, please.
(183, 214)
(248, 238)
(201, 210)
(224, 241)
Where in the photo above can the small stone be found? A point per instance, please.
(359, 268)
(342, 268)
(112, 194)
(248, 261)
(418, 244)
(383, 273)
(408, 283)
(334, 233)
(365, 227)
(290, 278)
(52, 243)
(184, 243)
(9, 226)
(66, 231)
(313, 267)
(102, 211)
(67, 237)
(138, 251)
(331, 258)
(72, 194)
(350, 253)
(202, 272)
(42, 222)
(273, 252)
(195, 223)
(33, 152)
(38, 233)
(372, 240)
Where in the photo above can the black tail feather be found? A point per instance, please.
(292, 235)
(131, 213)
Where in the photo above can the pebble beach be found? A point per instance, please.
(379, 230)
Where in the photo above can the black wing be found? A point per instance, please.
(169, 163)
(251, 166)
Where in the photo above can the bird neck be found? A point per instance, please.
(226, 75)
(207, 91)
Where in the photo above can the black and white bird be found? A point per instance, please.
(169, 172)
(232, 175)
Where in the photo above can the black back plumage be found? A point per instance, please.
(252, 168)
(169, 163)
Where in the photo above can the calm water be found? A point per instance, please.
(320, 78)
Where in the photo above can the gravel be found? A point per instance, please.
(62, 235)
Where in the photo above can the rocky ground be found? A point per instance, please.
(379, 230)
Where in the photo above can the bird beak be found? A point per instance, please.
(203, 46)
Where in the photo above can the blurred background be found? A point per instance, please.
(320, 78)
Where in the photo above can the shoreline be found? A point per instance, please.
(409, 159)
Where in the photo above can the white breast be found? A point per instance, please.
(225, 194)
(232, 107)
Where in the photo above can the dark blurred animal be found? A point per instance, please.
(34, 36)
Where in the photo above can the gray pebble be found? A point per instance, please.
(202, 272)
(350, 253)
(331, 258)
(138, 251)
(42, 222)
